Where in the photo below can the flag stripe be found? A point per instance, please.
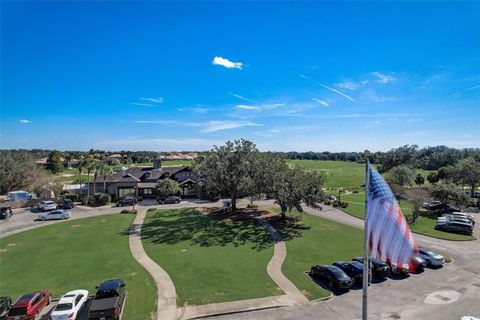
(389, 237)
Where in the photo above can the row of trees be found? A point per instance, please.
(238, 169)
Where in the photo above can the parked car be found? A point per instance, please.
(454, 226)
(29, 306)
(69, 305)
(432, 258)
(5, 303)
(5, 213)
(108, 301)
(379, 268)
(127, 201)
(331, 197)
(353, 269)
(67, 204)
(47, 205)
(171, 199)
(419, 263)
(227, 205)
(334, 276)
(55, 215)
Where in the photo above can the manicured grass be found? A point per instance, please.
(320, 242)
(339, 173)
(210, 260)
(165, 163)
(73, 255)
(423, 225)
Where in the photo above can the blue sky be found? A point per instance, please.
(289, 76)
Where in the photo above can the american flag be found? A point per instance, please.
(388, 235)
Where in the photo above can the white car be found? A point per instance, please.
(47, 205)
(54, 215)
(69, 305)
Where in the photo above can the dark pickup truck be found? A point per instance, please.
(109, 300)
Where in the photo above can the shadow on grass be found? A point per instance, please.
(210, 228)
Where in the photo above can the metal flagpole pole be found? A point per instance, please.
(366, 262)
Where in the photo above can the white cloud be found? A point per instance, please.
(323, 103)
(24, 121)
(219, 61)
(236, 95)
(155, 100)
(215, 125)
(246, 107)
(383, 78)
(156, 121)
(328, 88)
(144, 104)
(351, 85)
(460, 93)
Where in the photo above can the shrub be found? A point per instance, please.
(151, 209)
(343, 204)
(252, 205)
(126, 211)
(327, 202)
(335, 204)
(355, 191)
(102, 199)
(73, 197)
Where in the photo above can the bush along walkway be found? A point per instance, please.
(166, 293)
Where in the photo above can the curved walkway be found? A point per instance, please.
(166, 294)
(274, 267)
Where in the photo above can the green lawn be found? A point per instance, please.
(423, 225)
(210, 260)
(73, 255)
(339, 173)
(321, 242)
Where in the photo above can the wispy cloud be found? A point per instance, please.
(328, 88)
(155, 100)
(460, 93)
(158, 144)
(351, 85)
(219, 61)
(236, 95)
(323, 103)
(383, 78)
(144, 104)
(216, 125)
(246, 107)
(24, 121)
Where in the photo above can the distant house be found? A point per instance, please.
(116, 158)
(180, 156)
(141, 181)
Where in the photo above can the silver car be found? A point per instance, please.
(432, 258)
(54, 215)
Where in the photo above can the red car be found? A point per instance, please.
(29, 306)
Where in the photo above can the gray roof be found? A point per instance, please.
(139, 174)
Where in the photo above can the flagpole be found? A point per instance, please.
(366, 261)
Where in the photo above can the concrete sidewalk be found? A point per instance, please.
(166, 293)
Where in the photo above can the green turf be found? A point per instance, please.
(339, 173)
(210, 260)
(317, 241)
(74, 255)
(423, 225)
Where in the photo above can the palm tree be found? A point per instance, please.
(105, 171)
(96, 169)
(80, 166)
(89, 165)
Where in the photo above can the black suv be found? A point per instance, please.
(334, 276)
(67, 204)
(379, 268)
(171, 199)
(126, 201)
(353, 269)
(5, 303)
(109, 300)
